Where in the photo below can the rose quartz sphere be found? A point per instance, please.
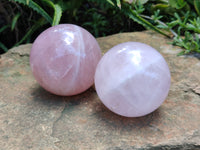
(63, 59)
(132, 79)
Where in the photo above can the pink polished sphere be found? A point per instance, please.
(63, 59)
(132, 79)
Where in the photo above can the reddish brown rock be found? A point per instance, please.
(31, 118)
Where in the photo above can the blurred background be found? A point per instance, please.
(21, 21)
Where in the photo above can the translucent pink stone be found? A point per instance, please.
(63, 59)
(132, 79)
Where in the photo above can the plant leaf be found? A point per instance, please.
(172, 24)
(110, 2)
(181, 53)
(118, 4)
(35, 7)
(57, 14)
(134, 16)
(3, 28)
(142, 1)
(37, 25)
(14, 21)
(178, 4)
(162, 26)
(3, 47)
(197, 6)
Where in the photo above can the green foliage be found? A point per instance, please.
(97, 24)
(185, 25)
(135, 15)
(178, 4)
(56, 7)
(180, 18)
(41, 8)
(190, 43)
(176, 19)
(33, 5)
(37, 25)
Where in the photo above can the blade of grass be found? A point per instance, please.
(35, 7)
(37, 25)
(14, 21)
(118, 3)
(3, 28)
(110, 2)
(57, 15)
(3, 47)
(57, 12)
(197, 6)
(136, 17)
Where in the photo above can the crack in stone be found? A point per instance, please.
(195, 92)
(20, 54)
(184, 146)
(195, 89)
(61, 115)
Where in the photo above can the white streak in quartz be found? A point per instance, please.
(80, 49)
(81, 45)
(80, 53)
(152, 75)
(60, 52)
(57, 75)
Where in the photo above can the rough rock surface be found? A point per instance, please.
(31, 118)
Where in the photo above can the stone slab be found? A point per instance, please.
(31, 118)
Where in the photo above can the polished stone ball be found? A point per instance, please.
(132, 79)
(63, 59)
